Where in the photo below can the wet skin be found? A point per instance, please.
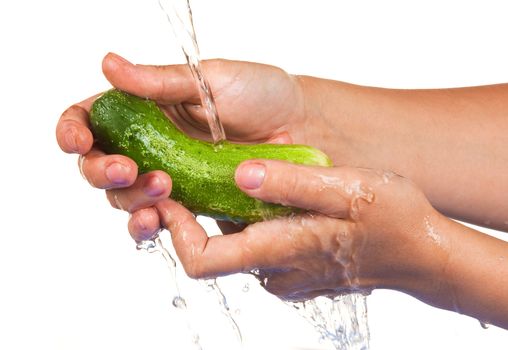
(366, 228)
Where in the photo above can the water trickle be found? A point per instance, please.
(385, 175)
(431, 231)
(118, 204)
(154, 245)
(223, 304)
(354, 190)
(179, 15)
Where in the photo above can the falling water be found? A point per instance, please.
(179, 15)
(342, 320)
(154, 245)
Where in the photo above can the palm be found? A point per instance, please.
(255, 102)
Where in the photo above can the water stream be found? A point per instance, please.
(179, 15)
(342, 320)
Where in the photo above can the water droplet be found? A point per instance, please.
(246, 288)
(195, 339)
(179, 303)
(148, 245)
(484, 325)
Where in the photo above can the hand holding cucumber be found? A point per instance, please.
(257, 103)
(362, 229)
(358, 229)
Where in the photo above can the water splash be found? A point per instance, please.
(342, 320)
(179, 15)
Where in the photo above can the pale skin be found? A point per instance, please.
(365, 228)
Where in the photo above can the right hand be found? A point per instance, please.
(256, 103)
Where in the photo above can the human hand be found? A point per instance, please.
(364, 229)
(256, 103)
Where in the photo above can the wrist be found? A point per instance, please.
(361, 126)
(431, 281)
(419, 254)
(321, 129)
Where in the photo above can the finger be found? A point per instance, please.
(164, 84)
(264, 245)
(108, 171)
(144, 224)
(228, 227)
(330, 191)
(73, 128)
(147, 190)
(205, 257)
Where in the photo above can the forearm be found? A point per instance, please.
(474, 281)
(452, 142)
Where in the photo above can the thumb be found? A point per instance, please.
(329, 191)
(165, 84)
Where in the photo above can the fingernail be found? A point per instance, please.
(117, 58)
(154, 187)
(70, 139)
(117, 173)
(250, 176)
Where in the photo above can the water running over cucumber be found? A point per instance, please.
(342, 320)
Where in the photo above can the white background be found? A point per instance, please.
(70, 276)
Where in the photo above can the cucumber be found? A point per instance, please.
(202, 174)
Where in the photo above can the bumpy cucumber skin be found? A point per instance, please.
(203, 175)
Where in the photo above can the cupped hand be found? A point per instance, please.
(363, 229)
(256, 103)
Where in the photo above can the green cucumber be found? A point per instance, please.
(202, 174)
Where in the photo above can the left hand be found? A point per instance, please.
(363, 229)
